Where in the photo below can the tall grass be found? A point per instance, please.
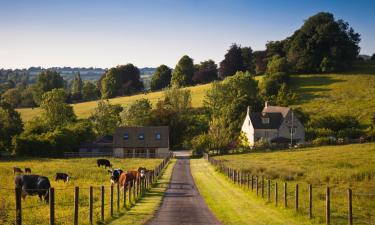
(84, 172)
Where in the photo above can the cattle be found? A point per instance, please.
(115, 175)
(33, 185)
(27, 170)
(126, 178)
(104, 162)
(62, 176)
(17, 170)
(143, 171)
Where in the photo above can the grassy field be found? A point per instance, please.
(340, 167)
(233, 205)
(84, 173)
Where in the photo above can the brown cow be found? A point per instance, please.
(17, 170)
(27, 170)
(127, 177)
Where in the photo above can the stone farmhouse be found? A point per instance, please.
(275, 124)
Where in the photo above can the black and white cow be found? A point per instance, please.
(33, 185)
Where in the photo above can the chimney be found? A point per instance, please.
(266, 104)
(248, 110)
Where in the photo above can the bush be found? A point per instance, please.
(335, 123)
(350, 133)
(200, 144)
(262, 143)
(324, 141)
(313, 133)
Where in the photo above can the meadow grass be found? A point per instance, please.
(84, 173)
(339, 167)
(233, 205)
(146, 207)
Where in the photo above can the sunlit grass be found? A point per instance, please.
(84, 172)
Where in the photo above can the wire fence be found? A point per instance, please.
(76, 205)
(320, 203)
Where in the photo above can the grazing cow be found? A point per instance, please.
(127, 177)
(17, 170)
(33, 185)
(104, 162)
(143, 171)
(27, 170)
(115, 175)
(62, 176)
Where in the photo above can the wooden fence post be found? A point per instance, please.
(276, 194)
(51, 206)
(350, 207)
(91, 201)
(256, 184)
(328, 206)
(134, 197)
(118, 197)
(248, 181)
(296, 197)
(262, 186)
(252, 183)
(102, 205)
(285, 195)
(310, 201)
(18, 207)
(269, 190)
(76, 204)
(124, 196)
(130, 193)
(111, 200)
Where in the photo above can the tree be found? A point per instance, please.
(161, 78)
(90, 91)
(10, 125)
(77, 87)
(183, 72)
(106, 117)
(46, 81)
(121, 80)
(12, 96)
(230, 98)
(176, 99)
(137, 113)
(218, 134)
(232, 62)
(373, 57)
(322, 44)
(277, 64)
(205, 72)
(247, 58)
(285, 96)
(56, 113)
(260, 62)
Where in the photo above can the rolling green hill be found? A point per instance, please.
(345, 93)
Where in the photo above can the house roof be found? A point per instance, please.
(275, 119)
(149, 137)
(276, 109)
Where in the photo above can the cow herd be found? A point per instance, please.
(31, 184)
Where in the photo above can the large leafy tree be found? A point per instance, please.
(56, 113)
(90, 91)
(77, 86)
(161, 78)
(12, 96)
(247, 58)
(322, 44)
(232, 62)
(206, 72)
(10, 125)
(137, 113)
(183, 72)
(260, 62)
(121, 80)
(46, 81)
(229, 99)
(106, 117)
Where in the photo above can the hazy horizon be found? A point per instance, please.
(104, 34)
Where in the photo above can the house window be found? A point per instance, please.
(141, 136)
(265, 120)
(126, 136)
(157, 136)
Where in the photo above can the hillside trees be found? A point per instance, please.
(90, 91)
(162, 78)
(46, 81)
(10, 125)
(183, 72)
(136, 113)
(206, 72)
(106, 117)
(121, 80)
(237, 59)
(260, 62)
(77, 88)
(373, 57)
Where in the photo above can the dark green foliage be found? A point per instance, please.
(322, 44)
(136, 113)
(77, 88)
(335, 123)
(205, 72)
(373, 57)
(10, 125)
(46, 81)
(162, 78)
(90, 91)
(232, 62)
(183, 72)
(277, 64)
(121, 80)
(230, 98)
(106, 118)
(247, 58)
(12, 96)
(260, 62)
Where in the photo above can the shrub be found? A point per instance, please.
(313, 133)
(323, 141)
(200, 144)
(262, 143)
(350, 133)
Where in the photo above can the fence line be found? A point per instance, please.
(282, 192)
(134, 191)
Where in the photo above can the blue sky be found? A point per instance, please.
(107, 33)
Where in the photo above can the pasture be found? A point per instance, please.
(84, 173)
(339, 167)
